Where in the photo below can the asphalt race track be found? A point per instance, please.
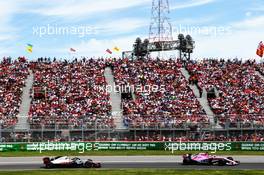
(120, 162)
(245, 166)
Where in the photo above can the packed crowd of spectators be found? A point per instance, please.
(171, 104)
(260, 68)
(150, 137)
(239, 90)
(68, 94)
(257, 137)
(12, 80)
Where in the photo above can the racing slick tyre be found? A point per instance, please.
(186, 161)
(210, 162)
(97, 165)
(49, 165)
(75, 165)
(221, 163)
(88, 164)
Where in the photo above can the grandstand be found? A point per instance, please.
(71, 95)
(12, 80)
(194, 100)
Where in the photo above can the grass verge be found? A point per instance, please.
(135, 172)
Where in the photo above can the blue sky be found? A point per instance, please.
(221, 28)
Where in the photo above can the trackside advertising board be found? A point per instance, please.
(93, 146)
(167, 146)
(10, 147)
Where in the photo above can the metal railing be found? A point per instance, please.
(98, 129)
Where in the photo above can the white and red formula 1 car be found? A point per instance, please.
(66, 162)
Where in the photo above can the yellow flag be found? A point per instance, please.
(116, 49)
(29, 48)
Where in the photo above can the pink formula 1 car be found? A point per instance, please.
(207, 159)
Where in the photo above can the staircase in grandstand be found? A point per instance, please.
(22, 123)
(203, 99)
(115, 99)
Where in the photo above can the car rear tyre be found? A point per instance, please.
(49, 165)
(186, 161)
(210, 162)
(88, 165)
(221, 163)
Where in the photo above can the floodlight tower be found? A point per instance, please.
(160, 27)
(160, 35)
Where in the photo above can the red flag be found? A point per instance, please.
(72, 50)
(109, 51)
(260, 49)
